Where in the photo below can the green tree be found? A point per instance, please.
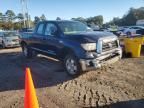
(43, 18)
(17, 26)
(10, 14)
(7, 26)
(20, 16)
(36, 20)
(81, 19)
(130, 18)
(58, 18)
(1, 14)
(97, 20)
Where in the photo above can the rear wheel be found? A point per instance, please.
(72, 65)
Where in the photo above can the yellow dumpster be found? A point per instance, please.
(133, 45)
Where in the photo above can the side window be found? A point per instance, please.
(51, 29)
(40, 28)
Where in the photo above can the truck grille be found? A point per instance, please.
(109, 45)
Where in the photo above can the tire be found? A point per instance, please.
(72, 65)
(27, 52)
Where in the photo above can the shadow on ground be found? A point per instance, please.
(46, 72)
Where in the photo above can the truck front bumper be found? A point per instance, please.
(101, 60)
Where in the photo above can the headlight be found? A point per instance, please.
(89, 46)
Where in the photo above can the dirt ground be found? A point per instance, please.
(120, 85)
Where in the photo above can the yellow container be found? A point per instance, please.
(143, 40)
(133, 45)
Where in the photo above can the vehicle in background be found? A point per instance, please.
(72, 43)
(120, 32)
(94, 27)
(141, 31)
(26, 30)
(123, 28)
(9, 39)
(140, 22)
(132, 30)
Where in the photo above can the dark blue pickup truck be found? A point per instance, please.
(80, 48)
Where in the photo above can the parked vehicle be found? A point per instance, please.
(141, 31)
(133, 30)
(9, 39)
(26, 30)
(123, 28)
(140, 22)
(71, 42)
(120, 32)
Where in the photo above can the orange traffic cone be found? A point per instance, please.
(30, 100)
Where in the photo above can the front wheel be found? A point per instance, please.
(72, 65)
(27, 52)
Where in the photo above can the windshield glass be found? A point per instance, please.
(10, 34)
(72, 27)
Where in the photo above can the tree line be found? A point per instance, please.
(128, 19)
(10, 20)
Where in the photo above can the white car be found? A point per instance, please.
(132, 30)
(9, 39)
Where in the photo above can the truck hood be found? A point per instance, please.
(88, 37)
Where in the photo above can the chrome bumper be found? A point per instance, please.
(101, 60)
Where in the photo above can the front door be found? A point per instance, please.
(51, 39)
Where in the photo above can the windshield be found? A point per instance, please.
(10, 34)
(72, 27)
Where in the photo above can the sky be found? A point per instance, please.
(67, 9)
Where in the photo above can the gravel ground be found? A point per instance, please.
(120, 85)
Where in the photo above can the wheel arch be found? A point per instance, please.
(66, 51)
(23, 43)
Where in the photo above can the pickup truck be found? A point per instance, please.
(74, 43)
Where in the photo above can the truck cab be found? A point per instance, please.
(72, 42)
